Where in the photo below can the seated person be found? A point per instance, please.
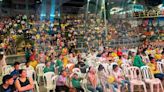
(59, 63)
(119, 78)
(61, 82)
(138, 62)
(15, 72)
(158, 55)
(28, 66)
(92, 81)
(23, 83)
(33, 61)
(7, 85)
(76, 83)
(48, 67)
(103, 76)
(154, 70)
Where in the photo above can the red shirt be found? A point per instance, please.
(119, 53)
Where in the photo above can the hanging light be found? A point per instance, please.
(134, 2)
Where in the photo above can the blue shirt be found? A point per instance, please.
(15, 72)
(9, 89)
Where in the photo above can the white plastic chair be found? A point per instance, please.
(32, 74)
(7, 69)
(39, 71)
(48, 82)
(125, 69)
(84, 85)
(29, 68)
(111, 67)
(22, 65)
(106, 67)
(149, 78)
(135, 79)
(36, 88)
(160, 66)
(162, 60)
(54, 79)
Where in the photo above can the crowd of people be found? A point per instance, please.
(92, 64)
(66, 32)
(54, 45)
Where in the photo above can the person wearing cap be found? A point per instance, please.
(7, 85)
(15, 72)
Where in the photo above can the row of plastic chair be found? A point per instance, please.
(140, 76)
(50, 81)
(7, 69)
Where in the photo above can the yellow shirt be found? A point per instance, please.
(158, 56)
(119, 62)
(34, 63)
(65, 61)
(114, 54)
(153, 68)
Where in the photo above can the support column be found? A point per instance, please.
(53, 10)
(27, 3)
(86, 15)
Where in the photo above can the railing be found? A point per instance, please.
(10, 59)
(131, 42)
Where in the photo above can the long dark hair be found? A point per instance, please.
(101, 67)
(20, 71)
(1, 56)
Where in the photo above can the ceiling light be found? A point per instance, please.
(134, 2)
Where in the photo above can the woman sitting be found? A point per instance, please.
(103, 76)
(92, 81)
(24, 84)
(138, 61)
(61, 82)
(154, 70)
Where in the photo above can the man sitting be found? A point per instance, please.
(48, 67)
(7, 85)
(15, 73)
